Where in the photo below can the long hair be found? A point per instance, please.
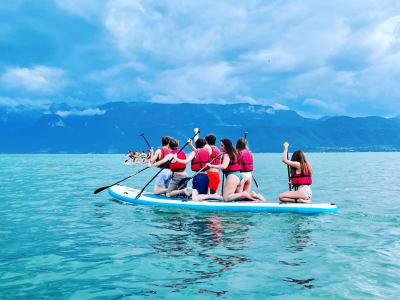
(230, 150)
(241, 144)
(300, 157)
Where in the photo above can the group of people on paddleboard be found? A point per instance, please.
(236, 164)
(135, 157)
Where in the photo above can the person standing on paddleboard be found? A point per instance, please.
(162, 180)
(199, 157)
(178, 170)
(246, 166)
(300, 173)
(230, 166)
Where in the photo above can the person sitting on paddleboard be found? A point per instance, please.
(199, 157)
(230, 166)
(178, 170)
(212, 173)
(162, 180)
(300, 173)
(246, 166)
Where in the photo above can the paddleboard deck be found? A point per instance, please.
(127, 194)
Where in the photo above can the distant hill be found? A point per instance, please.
(115, 128)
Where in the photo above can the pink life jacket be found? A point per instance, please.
(201, 158)
(215, 152)
(177, 166)
(246, 161)
(299, 179)
(233, 165)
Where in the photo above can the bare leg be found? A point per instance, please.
(294, 196)
(199, 197)
(159, 190)
(178, 192)
(231, 186)
(247, 184)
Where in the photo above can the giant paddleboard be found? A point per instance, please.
(127, 194)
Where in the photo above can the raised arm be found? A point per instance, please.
(293, 164)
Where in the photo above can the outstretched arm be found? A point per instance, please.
(184, 161)
(161, 162)
(226, 160)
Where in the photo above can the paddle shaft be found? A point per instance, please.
(165, 165)
(108, 186)
(142, 135)
(288, 172)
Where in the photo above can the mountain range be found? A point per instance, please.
(115, 127)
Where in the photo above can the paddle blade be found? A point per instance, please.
(101, 189)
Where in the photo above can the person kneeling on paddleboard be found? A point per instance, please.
(300, 173)
(178, 170)
(230, 166)
(162, 180)
(246, 166)
(199, 157)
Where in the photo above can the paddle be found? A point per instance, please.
(142, 135)
(186, 180)
(288, 172)
(108, 186)
(165, 166)
(255, 181)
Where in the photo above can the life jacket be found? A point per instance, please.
(177, 166)
(143, 155)
(233, 165)
(215, 152)
(299, 179)
(164, 152)
(201, 158)
(246, 161)
(137, 154)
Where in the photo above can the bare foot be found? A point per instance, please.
(258, 196)
(300, 200)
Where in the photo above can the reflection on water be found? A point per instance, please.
(299, 238)
(205, 237)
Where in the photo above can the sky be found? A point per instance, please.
(315, 57)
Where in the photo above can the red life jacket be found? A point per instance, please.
(215, 152)
(233, 165)
(164, 153)
(299, 179)
(246, 161)
(201, 158)
(177, 166)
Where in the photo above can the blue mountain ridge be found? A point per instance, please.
(115, 127)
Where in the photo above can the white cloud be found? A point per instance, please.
(332, 107)
(278, 106)
(39, 79)
(86, 112)
(34, 103)
(212, 51)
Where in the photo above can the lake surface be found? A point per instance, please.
(59, 241)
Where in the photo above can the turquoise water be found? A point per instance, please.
(59, 241)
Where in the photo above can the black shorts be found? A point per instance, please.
(200, 183)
